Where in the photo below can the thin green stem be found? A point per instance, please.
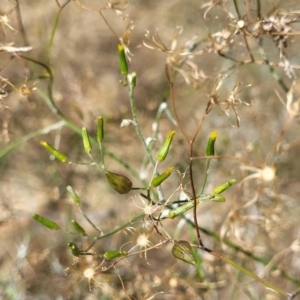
(54, 27)
(89, 221)
(241, 250)
(29, 136)
(258, 9)
(101, 156)
(246, 271)
(194, 198)
(206, 175)
(136, 124)
(274, 74)
(237, 9)
(192, 177)
(134, 219)
(151, 146)
(21, 26)
(130, 78)
(171, 88)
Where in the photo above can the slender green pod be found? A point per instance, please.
(163, 152)
(210, 148)
(156, 181)
(114, 254)
(56, 153)
(218, 199)
(100, 130)
(220, 189)
(182, 209)
(78, 228)
(47, 223)
(122, 59)
(86, 141)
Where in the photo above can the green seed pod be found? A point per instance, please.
(183, 250)
(120, 183)
(75, 250)
(73, 194)
(220, 189)
(218, 199)
(182, 209)
(114, 254)
(204, 197)
(78, 228)
(100, 131)
(47, 223)
(210, 149)
(123, 62)
(162, 154)
(57, 154)
(156, 181)
(86, 141)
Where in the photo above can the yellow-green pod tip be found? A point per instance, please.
(123, 61)
(213, 135)
(156, 181)
(210, 148)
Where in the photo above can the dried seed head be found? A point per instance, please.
(143, 241)
(84, 270)
(268, 174)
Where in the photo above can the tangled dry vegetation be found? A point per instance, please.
(223, 75)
